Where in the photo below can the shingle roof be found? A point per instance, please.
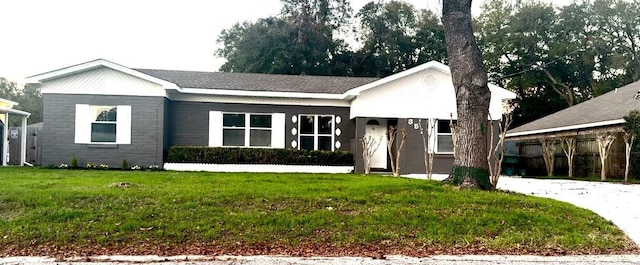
(611, 106)
(259, 82)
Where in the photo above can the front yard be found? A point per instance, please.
(92, 212)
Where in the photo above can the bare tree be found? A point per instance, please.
(428, 145)
(548, 153)
(369, 147)
(470, 166)
(392, 134)
(496, 156)
(629, 138)
(605, 140)
(569, 147)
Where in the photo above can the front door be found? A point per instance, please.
(376, 129)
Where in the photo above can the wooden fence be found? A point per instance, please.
(34, 144)
(586, 160)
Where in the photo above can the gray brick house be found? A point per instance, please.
(103, 112)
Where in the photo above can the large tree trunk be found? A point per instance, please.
(470, 167)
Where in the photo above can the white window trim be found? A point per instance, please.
(315, 130)
(83, 121)
(437, 135)
(216, 129)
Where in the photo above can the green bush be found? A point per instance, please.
(74, 162)
(220, 155)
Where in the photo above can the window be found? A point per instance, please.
(316, 132)
(235, 131)
(246, 129)
(444, 137)
(102, 124)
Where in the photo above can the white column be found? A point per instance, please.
(23, 141)
(5, 142)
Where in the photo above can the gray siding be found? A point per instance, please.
(147, 131)
(190, 120)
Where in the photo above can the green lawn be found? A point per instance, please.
(46, 212)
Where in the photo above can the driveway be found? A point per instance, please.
(618, 203)
(615, 202)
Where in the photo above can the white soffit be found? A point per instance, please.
(177, 96)
(251, 93)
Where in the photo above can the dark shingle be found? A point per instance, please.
(259, 82)
(608, 107)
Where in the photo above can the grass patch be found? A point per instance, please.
(101, 209)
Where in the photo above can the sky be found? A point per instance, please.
(43, 35)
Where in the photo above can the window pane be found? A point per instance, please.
(324, 143)
(260, 121)
(106, 114)
(445, 143)
(443, 127)
(324, 124)
(260, 138)
(306, 142)
(233, 120)
(103, 132)
(306, 125)
(233, 137)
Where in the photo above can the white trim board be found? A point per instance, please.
(263, 168)
(567, 128)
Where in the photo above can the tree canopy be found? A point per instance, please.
(29, 99)
(557, 57)
(308, 38)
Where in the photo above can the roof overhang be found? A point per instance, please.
(15, 112)
(39, 78)
(565, 130)
(7, 104)
(266, 94)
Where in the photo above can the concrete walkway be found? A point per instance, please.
(614, 202)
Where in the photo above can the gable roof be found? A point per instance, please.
(434, 65)
(260, 82)
(78, 68)
(605, 110)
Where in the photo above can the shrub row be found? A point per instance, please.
(223, 155)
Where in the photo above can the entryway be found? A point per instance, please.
(376, 129)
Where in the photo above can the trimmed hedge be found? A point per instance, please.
(223, 155)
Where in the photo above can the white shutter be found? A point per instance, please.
(215, 128)
(83, 124)
(278, 128)
(123, 125)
